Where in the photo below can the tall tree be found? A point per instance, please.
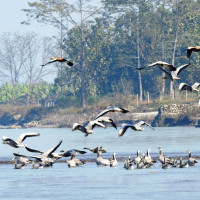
(51, 11)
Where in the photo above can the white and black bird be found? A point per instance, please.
(136, 127)
(70, 152)
(190, 88)
(111, 109)
(19, 159)
(97, 149)
(18, 142)
(183, 164)
(173, 75)
(88, 129)
(147, 159)
(137, 159)
(162, 158)
(106, 120)
(114, 162)
(102, 161)
(191, 161)
(160, 64)
(47, 154)
(71, 163)
(192, 49)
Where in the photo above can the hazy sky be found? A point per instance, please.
(11, 17)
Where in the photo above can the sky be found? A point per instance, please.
(11, 17)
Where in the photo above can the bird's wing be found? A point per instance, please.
(107, 120)
(140, 68)
(123, 110)
(79, 151)
(50, 151)
(94, 123)
(76, 126)
(49, 62)
(162, 63)
(123, 129)
(69, 63)
(184, 86)
(20, 155)
(189, 52)
(33, 150)
(195, 85)
(166, 72)
(88, 148)
(179, 69)
(145, 123)
(103, 112)
(111, 109)
(171, 67)
(153, 64)
(11, 141)
(113, 124)
(23, 136)
(79, 127)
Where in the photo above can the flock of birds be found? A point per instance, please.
(171, 72)
(47, 158)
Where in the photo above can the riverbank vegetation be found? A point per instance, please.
(106, 43)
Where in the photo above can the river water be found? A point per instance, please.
(92, 182)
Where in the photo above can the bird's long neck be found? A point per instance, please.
(160, 152)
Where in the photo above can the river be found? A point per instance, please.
(91, 182)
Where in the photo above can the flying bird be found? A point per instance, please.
(174, 74)
(58, 59)
(97, 149)
(111, 109)
(47, 154)
(106, 120)
(160, 64)
(87, 129)
(18, 142)
(191, 88)
(70, 152)
(191, 49)
(136, 127)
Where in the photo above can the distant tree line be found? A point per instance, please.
(106, 42)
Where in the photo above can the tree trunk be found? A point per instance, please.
(173, 59)
(83, 102)
(138, 63)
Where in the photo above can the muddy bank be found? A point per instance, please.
(165, 116)
(56, 118)
(177, 115)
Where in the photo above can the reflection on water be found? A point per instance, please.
(91, 182)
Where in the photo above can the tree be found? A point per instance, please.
(61, 13)
(13, 56)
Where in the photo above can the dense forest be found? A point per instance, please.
(106, 40)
